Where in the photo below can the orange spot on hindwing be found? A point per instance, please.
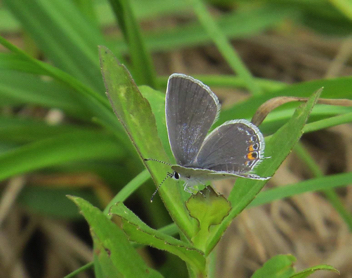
(252, 155)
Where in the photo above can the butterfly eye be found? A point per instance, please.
(176, 176)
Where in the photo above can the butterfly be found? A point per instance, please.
(232, 149)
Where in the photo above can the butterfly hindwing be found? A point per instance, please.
(234, 147)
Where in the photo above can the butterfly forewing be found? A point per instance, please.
(191, 109)
(234, 147)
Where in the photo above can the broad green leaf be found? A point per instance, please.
(139, 232)
(79, 145)
(277, 149)
(157, 103)
(103, 264)
(114, 241)
(307, 272)
(280, 266)
(209, 209)
(135, 114)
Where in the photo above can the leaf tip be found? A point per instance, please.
(75, 199)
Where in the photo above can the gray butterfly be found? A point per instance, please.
(231, 150)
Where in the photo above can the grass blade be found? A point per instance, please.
(144, 71)
(224, 46)
(316, 184)
(79, 145)
(64, 35)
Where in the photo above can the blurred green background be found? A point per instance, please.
(58, 135)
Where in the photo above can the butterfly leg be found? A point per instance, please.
(190, 188)
(187, 188)
(205, 186)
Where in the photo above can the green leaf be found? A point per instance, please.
(91, 99)
(247, 21)
(280, 266)
(19, 130)
(333, 88)
(103, 264)
(128, 189)
(316, 184)
(123, 256)
(230, 81)
(21, 88)
(329, 122)
(209, 209)
(277, 149)
(224, 46)
(156, 100)
(10, 61)
(344, 6)
(64, 35)
(79, 145)
(87, 9)
(135, 114)
(141, 233)
(79, 270)
(143, 72)
(307, 272)
(279, 193)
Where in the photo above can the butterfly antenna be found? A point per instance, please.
(152, 159)
(169, 175)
